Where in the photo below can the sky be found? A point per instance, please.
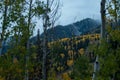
(76, 10)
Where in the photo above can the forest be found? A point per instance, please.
(50, 55)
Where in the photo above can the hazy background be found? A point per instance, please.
(76, 10)
(73, 10)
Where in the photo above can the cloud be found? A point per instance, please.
(76, 10)
(80, 9)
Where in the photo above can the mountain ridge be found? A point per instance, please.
(85, 26)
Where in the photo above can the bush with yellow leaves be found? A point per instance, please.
(65, 76)
(81, 51)
(62, 55)
(1, 78)
(69, 62)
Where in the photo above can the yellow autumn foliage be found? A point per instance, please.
(65, 76)
(69, 47)
(59, 68)
(83, 39)
(69, 62)
(62, 55)
(97, 36)
(49, 45)
(77, 42)
(81, 51)
(70, 53)
(15, 60)
(65, 39)
(1, 78)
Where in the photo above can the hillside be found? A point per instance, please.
(84, 26)
(67, 50)
(74, 29)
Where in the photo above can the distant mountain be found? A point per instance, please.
(84, 26)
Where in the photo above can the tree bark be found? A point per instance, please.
(103, 20)
(45, 25)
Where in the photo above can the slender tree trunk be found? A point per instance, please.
(103, 20)
(28, 43)
(29, 16)
(116, 16)
(39, 57)
(45, 25)
(44, 54)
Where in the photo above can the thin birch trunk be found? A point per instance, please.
(103, 20)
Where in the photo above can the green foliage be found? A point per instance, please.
(113, 9)
(82, 69)
(17, 26)
(39, 9)
(52, 74)
(109, 56)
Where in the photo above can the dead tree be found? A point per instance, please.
(49, 18)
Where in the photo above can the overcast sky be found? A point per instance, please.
(75, 10)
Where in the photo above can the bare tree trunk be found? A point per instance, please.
(103, 19)
(44, 54)
(28, 43)
(45, 25)
(116, 15)
(50, 17)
